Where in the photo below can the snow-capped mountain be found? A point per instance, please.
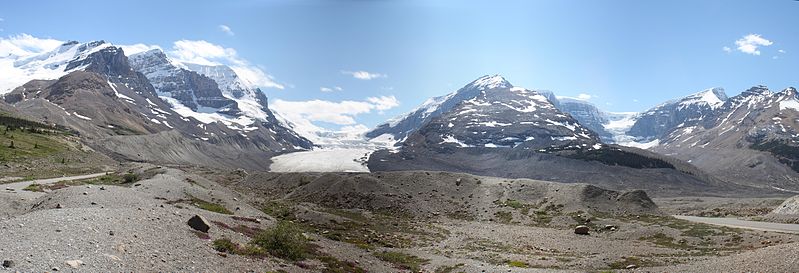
(94, 89)
(751, 138)
(490, 112)
(197, 92)
(489, 127)
(588, 115)
(685, 112)
(49, 65)
(400, 127)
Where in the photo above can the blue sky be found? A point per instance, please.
(625, 55)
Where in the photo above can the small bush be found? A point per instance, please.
(402, 260)
(225, 245)
(284, 240)
(34, 188)
(130, 178)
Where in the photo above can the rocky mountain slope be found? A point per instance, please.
(117, 109)
(748, 139)
(513, 132)
(684, 112)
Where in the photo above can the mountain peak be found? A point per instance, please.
(759, 90)
(490, 82)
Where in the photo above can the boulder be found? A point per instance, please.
(582, 230)
(74, 263)
(8, 263)
(199, 223)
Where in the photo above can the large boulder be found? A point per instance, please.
(789, 207)
(199, 223)
(581, 230)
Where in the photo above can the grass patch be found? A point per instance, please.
(34, 188)
(448, 269)
(401, 260)
(518, 264)
(210, 206)
(504, 217)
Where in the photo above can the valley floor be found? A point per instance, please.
(116, 222)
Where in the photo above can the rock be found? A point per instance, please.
(582, 230)
(85, 193)
(8, 263)
(55, 268)
(199, 223)
(58, 206)
(610, 227)
(632, 266)
(74, 263)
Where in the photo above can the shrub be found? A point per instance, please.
(402, 260)
(225, 245)
(130, 178)
(284, 240)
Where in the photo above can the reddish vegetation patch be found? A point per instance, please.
(247, 231)
(245, 219)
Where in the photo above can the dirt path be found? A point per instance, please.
(738, 223)
(18, 186)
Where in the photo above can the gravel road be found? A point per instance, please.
(737, 223)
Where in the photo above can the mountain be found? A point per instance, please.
(400, 127)
(685, 112)
(492, 128)
(94, 89)
(588, 115)
(749, 139)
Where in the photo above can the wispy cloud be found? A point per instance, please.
(137, 48)
(329, 89)
(781, 51)
(226, 29)
(751, 43)
(364, 75)
(339, 113)
(206, 53)
(25, 44)
(581, 96)
(727, 49)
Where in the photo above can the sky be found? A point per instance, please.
(355, 63)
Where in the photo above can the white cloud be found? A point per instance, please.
(137, 48)
(583, 96)
(25, 44)
(781, 51)
(304, 113)
(635, 100)
(749, 44)
(727, 49)
(364, 75)
(383, 102)
(328, 89)
(205, 53)
(226, 29)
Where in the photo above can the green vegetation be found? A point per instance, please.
(613, 156)
(279, 210)
(786, 154)
(518, 264)
(19, 144)
(402, 260)
(34, 188)
(448, 269)
(210, 206)
(504, 217)
(284, 240)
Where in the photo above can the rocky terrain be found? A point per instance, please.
(376, 222)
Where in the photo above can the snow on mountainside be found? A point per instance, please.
(50, 65)
(400, 127)
(689, 111)
(496, 114)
